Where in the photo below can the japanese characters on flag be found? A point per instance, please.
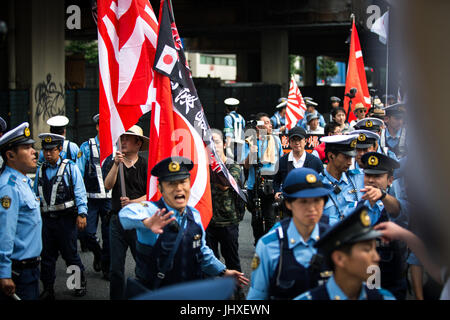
(296, 107)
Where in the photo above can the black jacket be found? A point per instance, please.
(285, 166)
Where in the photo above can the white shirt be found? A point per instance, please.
(300, 162)
(319, 130)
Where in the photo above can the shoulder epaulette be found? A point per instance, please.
(270, 237)
(12, 180)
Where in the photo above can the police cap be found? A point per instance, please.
(51, 140)
(96, 118)
(17, 136)
(231, 102)
(305, 183)
(172, 169)
(397, 109)
(58, 121)
(370, 124)
(341, 143)
(2, 125)
(356, 227)
(365, 139)
(378, 163)
(335, 99)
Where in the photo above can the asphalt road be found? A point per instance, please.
(98, 288)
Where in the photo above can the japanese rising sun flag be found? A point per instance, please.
(127, 35)
(296, 107)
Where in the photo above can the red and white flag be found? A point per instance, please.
(127, 35)
(296, 107)
(356, 76)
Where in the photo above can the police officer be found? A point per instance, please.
(340, 150)
(382, 207)
(60, 187)
(99, 202)
(20, 218)
(394, 136)
(282, 263)
(349, 248)
(310, 109)
(70, 150)
(171, 244)
(366, 142)
(279, 118)
(234, 126)
(375, 125)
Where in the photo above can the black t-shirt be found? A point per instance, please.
(135, 181)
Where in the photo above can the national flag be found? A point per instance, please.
(127, 35)
(178, 124)
(296, 107)
(381, 27)
(356, 76)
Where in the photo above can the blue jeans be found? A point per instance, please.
(120, 241)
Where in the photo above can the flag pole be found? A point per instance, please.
(121, 175)
(387, 63)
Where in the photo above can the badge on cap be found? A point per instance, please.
(353, 144)
(27, 132)
(369, 124)
(362, 137)
(365, 219)
(310, 178)
(174, 166)
(48, 139)
(255, 262)
(6, 202)
(372, 161)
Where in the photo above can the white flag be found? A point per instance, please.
(381, 27)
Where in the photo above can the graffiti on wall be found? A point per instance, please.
(49, 98)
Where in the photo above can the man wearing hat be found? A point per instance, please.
(394, 136)
(70, 150)
(234, 126)
(349, 248)
(375, 125)
(279, 118)
(135, 185)
(171, 245)
(99, 202)
(334, 103)
(297, 158)
(366, 142)
(283, 265)
(340, 151)
(2, 130)
(312, 121)
(384, 206)
(20, 217)
(310, 108)
(61, 190)
(360, 113)
(390, 99)
(331, 129)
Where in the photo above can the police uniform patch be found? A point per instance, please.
(174, 166)
(48, 139)
(6, 202)
(27, 132)
(372, 161)
(79, 154)
(255, 262)
(310, 178)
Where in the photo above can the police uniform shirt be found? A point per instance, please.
(229, 124)
(268, 253)
(131, 217)
(302, 122)
(20, 220)
(267, 168)
(73, 147)
(336, 206)
(277, 122)
(393, 141)
(389, 153)
(335, 292)
(85, 154)
(79, 189)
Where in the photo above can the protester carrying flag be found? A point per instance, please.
(296, 106)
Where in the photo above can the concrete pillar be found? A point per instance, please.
(310, 71)
(275, 59)
(248, 67)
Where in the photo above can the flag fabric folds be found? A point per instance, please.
(296, 107)
(178, 123)
(381, 27)
(356, 76)
(127, 35)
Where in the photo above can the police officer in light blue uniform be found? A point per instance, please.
(394, 136)
(234, 130)
(20, 218)
(310, 108)
(99, 202)
(171, 246)
(340, 151)
(70, 150)
(60, 187)
(279, 118)
(366, 142)
(283, 265)
(349, 248)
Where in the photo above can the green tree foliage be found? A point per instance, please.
(326, 69)
(89, 49)
(293, 68)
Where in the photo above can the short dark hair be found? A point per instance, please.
(259, 115)
(331, 149)
(345, 248)
(335, 111)
(57, 130)
(331, 127)
(14, 148)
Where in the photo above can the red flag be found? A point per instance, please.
(296, 107)
(178, 125)
(127, 34)
(356, 76)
